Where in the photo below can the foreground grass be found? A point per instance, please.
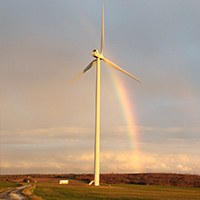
(28, 192)
(7, 186)
(116, 192)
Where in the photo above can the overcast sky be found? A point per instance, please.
(149, 127)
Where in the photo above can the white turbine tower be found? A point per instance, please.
(99, 56)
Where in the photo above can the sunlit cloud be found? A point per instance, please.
(110, 162)
(71, 149)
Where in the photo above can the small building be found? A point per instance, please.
(63, 182)
(28, 179)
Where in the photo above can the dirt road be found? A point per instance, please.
(14, 193)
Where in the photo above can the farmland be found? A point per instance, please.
(113, 186)
(114, 192)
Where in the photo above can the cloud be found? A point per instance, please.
(110, 161)
(172, 129)
(146, 136)
(171, 163)
(184, 169)
(61, 149)
(48, 135)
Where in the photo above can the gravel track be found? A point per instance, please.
(14, 194)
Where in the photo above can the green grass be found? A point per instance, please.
(7, 186)
(115, 192)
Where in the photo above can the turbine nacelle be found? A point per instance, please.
(96, 54)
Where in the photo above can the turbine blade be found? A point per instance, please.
(85, 70)
(90, 65)
(102, 30)
(111, 64)
(75, 78)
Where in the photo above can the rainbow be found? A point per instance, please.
(127, 109)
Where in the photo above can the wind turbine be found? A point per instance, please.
(99, 56)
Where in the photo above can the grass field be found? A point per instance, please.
(50, 191)
(7, 186)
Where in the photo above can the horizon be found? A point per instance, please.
(100, 174)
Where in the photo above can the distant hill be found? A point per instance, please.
(164, 179)
(180, 180)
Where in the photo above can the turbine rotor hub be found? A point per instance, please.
(96, 54)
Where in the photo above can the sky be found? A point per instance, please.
(148, 127)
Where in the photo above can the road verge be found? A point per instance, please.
(28, 192)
